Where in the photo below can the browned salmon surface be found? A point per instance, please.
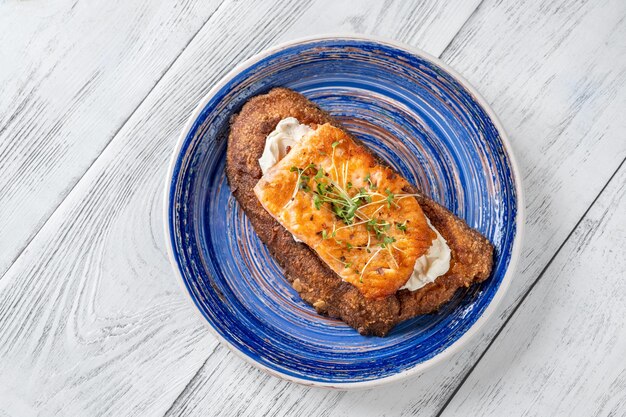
(330, 193)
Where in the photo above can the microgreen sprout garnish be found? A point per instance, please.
(401, 226)
(335, 194)
(368, 179)
(364, 195)
(334, 145)
(367, 263)
(398, 249)
(389, 198)
(304, 184)
(379, 227)
(401, 196)
(328, 191)
(387, 240)
(300, 184)
(317, 201)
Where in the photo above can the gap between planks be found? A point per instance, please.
(113, 136)
(157, 82)
(191, 380)
(528, 291)
(471, 16)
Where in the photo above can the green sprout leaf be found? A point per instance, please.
(389, 198)
(387, 240)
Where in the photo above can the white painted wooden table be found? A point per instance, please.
(92, 97)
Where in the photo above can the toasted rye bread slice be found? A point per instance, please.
(317, 284)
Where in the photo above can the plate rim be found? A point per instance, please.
(474, 329)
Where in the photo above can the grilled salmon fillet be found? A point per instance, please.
(383, 230)
(373, 306)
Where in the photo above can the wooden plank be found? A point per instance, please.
(71, 74)
(404, 21)
(91, 315)
(562, 353)
(564, 118)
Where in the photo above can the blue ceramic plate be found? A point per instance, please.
(422, 118)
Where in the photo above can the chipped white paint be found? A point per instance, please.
(91, 320)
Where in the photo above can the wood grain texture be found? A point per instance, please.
(560, 101)
(79, 69)
(71, 74)
(92, 321)
(428, 25)
(562, 353)
(563, 115)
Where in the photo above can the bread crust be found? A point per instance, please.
(317, 284)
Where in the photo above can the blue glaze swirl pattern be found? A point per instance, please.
(410, 111)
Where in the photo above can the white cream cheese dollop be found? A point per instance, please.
(288, 133)
(428, 267)
(431, 265)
